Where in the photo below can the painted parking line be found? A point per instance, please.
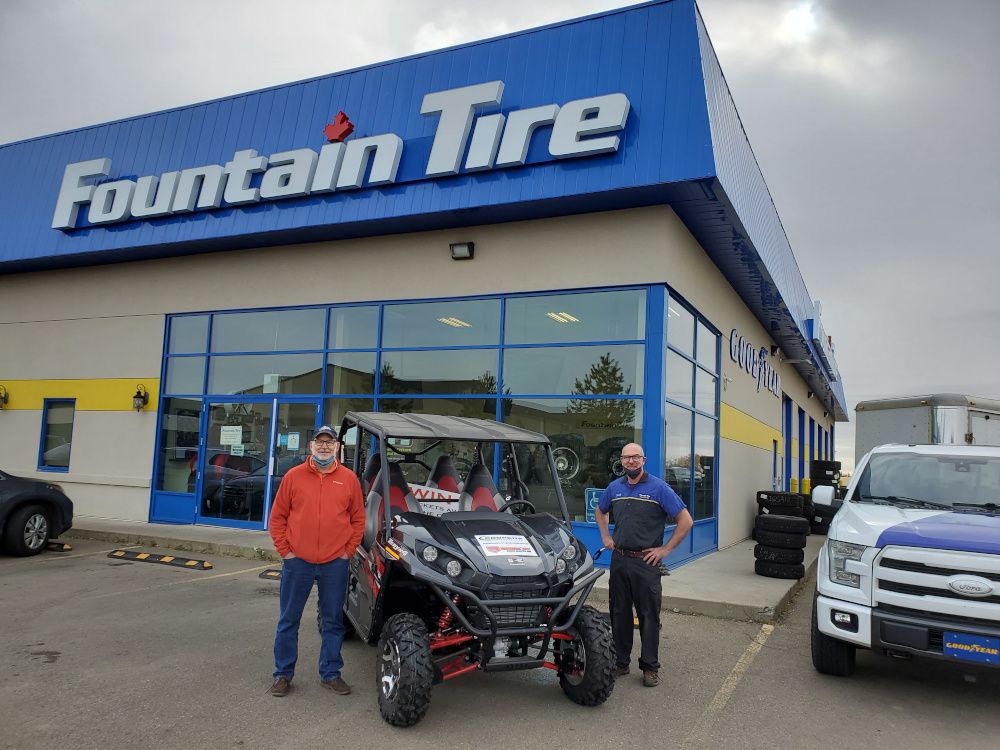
(183, 582)
(708, 717)
(83, 554)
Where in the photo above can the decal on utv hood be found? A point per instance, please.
(966, 532)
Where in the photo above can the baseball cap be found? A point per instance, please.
(325, 430)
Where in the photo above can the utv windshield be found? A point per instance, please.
(960, 483)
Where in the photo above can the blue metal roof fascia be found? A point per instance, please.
(756, 256)
(649, 52)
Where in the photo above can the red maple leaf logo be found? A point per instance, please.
(339, 129)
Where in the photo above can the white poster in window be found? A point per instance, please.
(271, 380)
(231, 435)
(293, 441)
(236, 450)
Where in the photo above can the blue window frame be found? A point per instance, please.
(802, 447)
(57, 434)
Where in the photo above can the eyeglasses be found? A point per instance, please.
(325, 442)
(633, 458)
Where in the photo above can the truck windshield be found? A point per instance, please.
(960, 483)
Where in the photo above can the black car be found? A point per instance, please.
(31, 513)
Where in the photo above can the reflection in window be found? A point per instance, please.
(680, 327)
(350, 372)
(704, 391)
(354, 327)
(269, 331)
(680, 378)
(178, 445)
(185, 375)
(188, 334)
(263, 374)
(569, 318)
(463, 323)
(677, 452)
(587, 439)
(575, 370)
(704, 467)
(708, 346)
(439, 372)
(57, 433)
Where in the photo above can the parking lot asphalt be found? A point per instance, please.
(111, 653)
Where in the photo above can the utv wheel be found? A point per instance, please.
(349, 631)
(27, 531)
(587, 667)
(829, 655)
(405, 673)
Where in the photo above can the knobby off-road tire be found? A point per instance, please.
(593, 684)
(779, 510)
(781, 539)
(791, 571)
(349, 631)
(786, 524)
(778, 555)
(404, 673)
(829, 655)
(27, 531)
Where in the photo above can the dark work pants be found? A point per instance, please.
(635, 585)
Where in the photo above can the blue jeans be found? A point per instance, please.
(297, 577)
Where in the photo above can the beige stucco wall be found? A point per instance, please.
(107, 322)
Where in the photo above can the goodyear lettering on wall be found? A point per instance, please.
(755, 362)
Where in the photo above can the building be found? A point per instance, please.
(563, 228)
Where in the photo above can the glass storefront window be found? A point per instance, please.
(680, 378)
(570, 318)
(704, 394)
(708, 348)
(704, 467)
(353, 328)
(587, 439)
(185, 375)
(460, 323)
(350, 372)
(575, 370)
(57, 434)
(680, 327)
(268, 331)
(178, 445)
(677, 451)
(188, 334)
(264, 374)
(447, 371)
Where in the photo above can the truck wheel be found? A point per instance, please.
(587, 667)
(791, 571)
(829, 655)
(405, 672)
(781, 539)
(778, 555)
(787, 524)
(27, 531)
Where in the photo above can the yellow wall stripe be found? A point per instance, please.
(97, 394)
(740, 427)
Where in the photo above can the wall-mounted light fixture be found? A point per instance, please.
(462, 250)
(826, 414)
(141, 398)
(774, 350)
(809, 395)
(4, 397)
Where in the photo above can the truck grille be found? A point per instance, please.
(914, 580)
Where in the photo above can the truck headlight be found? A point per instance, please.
(840, 553)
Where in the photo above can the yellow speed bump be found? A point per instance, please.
(271, 573)
(180, 562)
(58, 547)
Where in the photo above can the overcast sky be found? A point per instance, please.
(874, 122)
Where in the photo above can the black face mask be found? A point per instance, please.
(634, 473)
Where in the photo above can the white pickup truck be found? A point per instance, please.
(911, 565)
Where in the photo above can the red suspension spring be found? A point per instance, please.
(444, 621)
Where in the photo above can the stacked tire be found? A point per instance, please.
(773, 503)
(823, 473)
(781, 542)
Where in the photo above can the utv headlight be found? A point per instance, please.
(840, 553)
(454, 567)
(569, 553)
(430, 554)
(560, 566)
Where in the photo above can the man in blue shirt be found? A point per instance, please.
(642, 505)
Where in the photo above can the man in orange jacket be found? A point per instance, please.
(317, 521)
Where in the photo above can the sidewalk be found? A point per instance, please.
(720, 585)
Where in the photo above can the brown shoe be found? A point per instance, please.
(281, 687)
(650, 678)
(336, 685)
(621, 670)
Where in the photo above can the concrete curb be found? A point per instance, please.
(167, 542)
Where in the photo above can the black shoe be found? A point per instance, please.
(281, 687)
(650, 678)
(621, 670)
(337, 685)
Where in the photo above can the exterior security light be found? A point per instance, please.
(141, 398)
(4, 396)
(462, 250)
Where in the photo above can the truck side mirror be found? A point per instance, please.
(824, 495)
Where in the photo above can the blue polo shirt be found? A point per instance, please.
(641, 510)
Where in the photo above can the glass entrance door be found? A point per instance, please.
(248, 447)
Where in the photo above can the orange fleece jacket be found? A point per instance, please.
(318, 517)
